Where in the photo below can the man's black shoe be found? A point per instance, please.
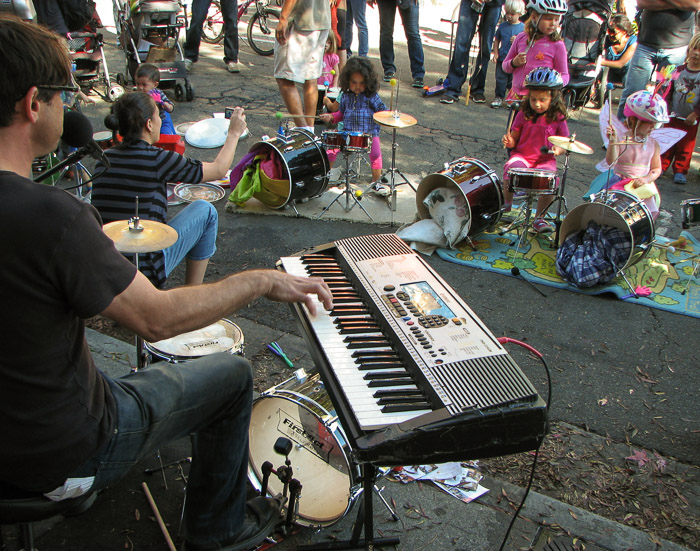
(388, 76)
(417, 83)
(261, 516)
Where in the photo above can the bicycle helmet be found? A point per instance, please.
(557, 7)
(647, 106)
(544, 78)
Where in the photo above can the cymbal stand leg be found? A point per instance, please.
(377, 491)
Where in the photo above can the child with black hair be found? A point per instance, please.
(147, 79)
(542, 114)
(358, 104)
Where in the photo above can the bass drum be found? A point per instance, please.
(306, 169)
(617, 209)
(480, 185)
(300, 410)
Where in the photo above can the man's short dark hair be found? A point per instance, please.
(32, 56)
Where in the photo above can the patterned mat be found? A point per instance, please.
(666, 273)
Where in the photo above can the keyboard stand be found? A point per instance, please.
(364, 520)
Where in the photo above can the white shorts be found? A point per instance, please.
(301, 58)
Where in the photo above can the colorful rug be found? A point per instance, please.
(666, 273)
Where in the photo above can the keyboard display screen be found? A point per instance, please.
(426, 299)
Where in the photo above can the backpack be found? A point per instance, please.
(77, 13)
(593, 256)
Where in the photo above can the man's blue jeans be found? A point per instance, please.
(229, 12)
(466, 27)
(210, 397)
(356, 12)
(197, 225)
(643, 63)
(409, 19)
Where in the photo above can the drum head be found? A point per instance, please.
(222, 336)
(209, 133)
(317, 457)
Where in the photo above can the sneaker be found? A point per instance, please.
(541, 226)
(188, 65)
(447, 99)
(233, 67)
(388, 76)
(479, 98)
(380, 189)
(679, 178)
(417, 83)
(261, 516)
(495, 104)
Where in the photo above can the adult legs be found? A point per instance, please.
(487, 30)
(387, 17)
(200, 8)
(292, 99)
(229, 11)
(641, 67)
(409, 19)
(197, 226)
(457, 72)
(357, 7)
(210, 397)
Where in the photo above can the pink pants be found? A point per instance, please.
(375, 154)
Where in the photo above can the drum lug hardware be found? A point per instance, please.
(461, 168)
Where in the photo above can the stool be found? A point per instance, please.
(24, 508)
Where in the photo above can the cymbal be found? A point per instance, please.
(387, 118)
(154, 236)
(570, 145)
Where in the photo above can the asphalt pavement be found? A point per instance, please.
(621, 373)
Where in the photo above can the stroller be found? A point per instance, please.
(148, 32)
(89, 61)
(584, 28)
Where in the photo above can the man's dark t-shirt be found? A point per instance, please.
(56, 409)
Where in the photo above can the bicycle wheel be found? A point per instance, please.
(213, 28)
(261, 31)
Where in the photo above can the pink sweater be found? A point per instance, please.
(543, 53)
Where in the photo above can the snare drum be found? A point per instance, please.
(334, 140)
(104, 139)
(532, 181)
(300, 410)
(222, 336)
(306, 166)
(690, 213)
(480, 186)
(617, 209)
(357, 141)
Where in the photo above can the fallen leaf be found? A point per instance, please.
(137, 514)
(603, 402)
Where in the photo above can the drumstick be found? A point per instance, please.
(154, 508)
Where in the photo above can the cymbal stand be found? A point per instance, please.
(560, 199)
(365, 520)
(348, 193)
(393, 171)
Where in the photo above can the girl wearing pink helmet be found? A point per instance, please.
(633, 153)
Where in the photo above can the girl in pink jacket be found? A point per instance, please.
(539, 45)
